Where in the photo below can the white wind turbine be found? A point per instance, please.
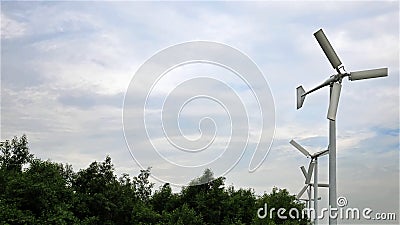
(335, 83)
(312, 167)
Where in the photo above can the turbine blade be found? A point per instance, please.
(300, 148)
(327, 48)
(309, 192)
(304, 171)
(309, 172)
(334, 101)
(302, 191)
(367, 74)
(300, 98)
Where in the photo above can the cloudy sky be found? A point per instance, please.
(66, 67)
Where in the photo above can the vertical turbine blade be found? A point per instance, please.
(366, 74)
(327, 48)
(300, 148)
(302, 191)
(309, 172)
(334, 101)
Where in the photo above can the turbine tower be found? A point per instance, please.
(335, 83)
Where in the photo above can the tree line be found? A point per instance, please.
(36, 191)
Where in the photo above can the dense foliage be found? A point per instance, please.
(33, 191)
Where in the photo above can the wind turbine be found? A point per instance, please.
(334, 82)
(307, 174)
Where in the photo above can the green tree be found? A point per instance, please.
(143, 186)
(36, 195)
(33, 191)
(96, 192)
(45, 193)
(126, 200)
(240, 206)
(164, 200)
(205, 178)
(15, 154)
(208, 198)
(182, 216)
(279, 198)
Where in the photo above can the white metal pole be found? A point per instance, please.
(332, 167)
(309, 197)
(316, 190)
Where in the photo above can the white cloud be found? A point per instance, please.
(11, 28)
